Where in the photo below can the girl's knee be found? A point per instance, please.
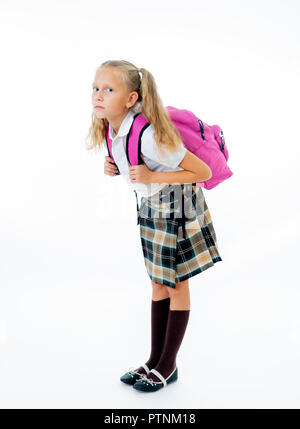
(159, 290)
(181, 287)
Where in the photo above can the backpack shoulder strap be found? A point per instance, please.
(108, 142)
(134, 139)
(133, 146)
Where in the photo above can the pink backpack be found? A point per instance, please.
(205, 141)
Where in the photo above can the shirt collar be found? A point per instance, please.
(125, 126)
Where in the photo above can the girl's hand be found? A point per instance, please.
(110, 167)
(140, 174)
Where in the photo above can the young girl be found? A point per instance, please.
(175, 248)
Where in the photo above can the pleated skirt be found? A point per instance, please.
(177, 234)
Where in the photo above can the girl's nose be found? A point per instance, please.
(100, 95)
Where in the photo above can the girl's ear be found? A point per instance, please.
(133, 96)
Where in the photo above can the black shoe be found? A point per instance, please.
(132, 376)
(145, 384)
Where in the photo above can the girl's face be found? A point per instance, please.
(111, 96)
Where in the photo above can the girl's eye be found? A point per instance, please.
(95, 88)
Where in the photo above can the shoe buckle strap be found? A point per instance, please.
(158, 374)
(146, 368)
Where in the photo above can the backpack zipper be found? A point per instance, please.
(201, 128)
(223, 140)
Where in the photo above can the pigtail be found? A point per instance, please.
(166, 134)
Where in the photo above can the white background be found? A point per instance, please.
(75, 296)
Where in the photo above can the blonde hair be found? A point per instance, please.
(148, 103)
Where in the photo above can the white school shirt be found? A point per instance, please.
(149, 153)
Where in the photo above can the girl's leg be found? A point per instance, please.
(159, 291)
(159, 318)
(180, 296)
(177, 322)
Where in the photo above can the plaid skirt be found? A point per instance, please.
(177, 234)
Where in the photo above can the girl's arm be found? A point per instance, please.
(195, 170)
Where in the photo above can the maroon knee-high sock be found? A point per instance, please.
(176, 327)
(159, 320)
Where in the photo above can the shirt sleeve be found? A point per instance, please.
(150, 149)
